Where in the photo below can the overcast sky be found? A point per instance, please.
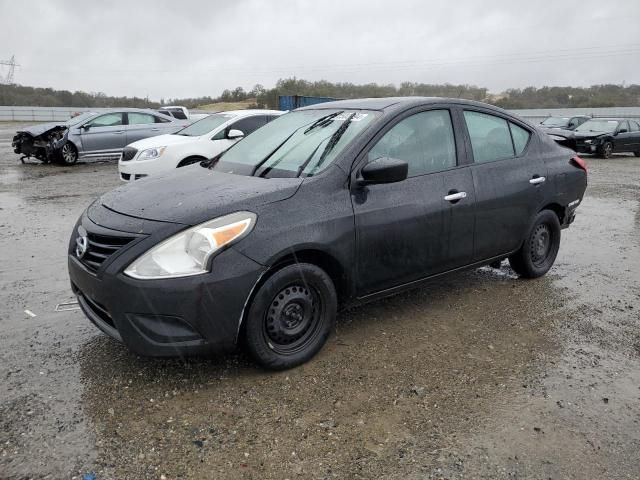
(192, 48)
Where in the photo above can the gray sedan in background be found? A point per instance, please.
(92, 134)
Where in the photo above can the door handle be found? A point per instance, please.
(119, 132)
(155, 129)
(537, 180)
(454, 197)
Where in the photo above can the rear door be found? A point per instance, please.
(509, 180)
(105, 134)
(405, 230)
(144, 125)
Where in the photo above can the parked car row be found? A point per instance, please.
(324, 207)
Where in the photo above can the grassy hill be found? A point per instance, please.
(224, 106)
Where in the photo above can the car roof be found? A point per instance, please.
(611, 119)
(395, 103)
(249, 112)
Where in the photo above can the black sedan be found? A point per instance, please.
(327, 206)
(602, 137)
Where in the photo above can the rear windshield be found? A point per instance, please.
(605, 126)
(296, 144)
(206, 125)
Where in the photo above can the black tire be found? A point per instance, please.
(606, 150)
(637, 154)
(291, 316)
(68, 154)
(189, 161)
(540, 247)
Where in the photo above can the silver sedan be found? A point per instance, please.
(92, 134)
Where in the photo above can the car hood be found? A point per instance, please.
(162, 141)
(41, 128)
(192, 195)
(559, 131)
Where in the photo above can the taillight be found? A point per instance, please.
(580, 163)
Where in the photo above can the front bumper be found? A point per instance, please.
(168, 317)
(586, 148)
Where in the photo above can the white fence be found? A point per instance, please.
(54, 114)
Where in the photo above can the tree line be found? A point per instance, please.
(259, 96)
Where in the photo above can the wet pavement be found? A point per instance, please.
(477, 375)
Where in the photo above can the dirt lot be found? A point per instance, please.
(479, 375)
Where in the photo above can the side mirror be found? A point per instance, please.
(384, 170)
(622, 130)
(85, 127)
(233, 134)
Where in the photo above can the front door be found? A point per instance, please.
(509, 183)
(104, 134)
(404, 229)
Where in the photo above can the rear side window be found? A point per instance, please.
(494, 138)
(424, 140)
(140, 118)
(161, 119)
(633, 126)
(520, 137)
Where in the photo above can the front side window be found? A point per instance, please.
(107, 120)
(424, 140)
(624, 126)
(249, 124)
(490, 137)
(140, 118)
(301, 143)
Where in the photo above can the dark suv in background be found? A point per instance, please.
(326, 206)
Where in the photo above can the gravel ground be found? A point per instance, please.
(477, 375)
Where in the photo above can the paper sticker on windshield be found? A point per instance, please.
(357, 117)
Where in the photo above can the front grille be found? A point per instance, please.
(128, 153)
(101, 247)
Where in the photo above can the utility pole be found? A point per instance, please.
(8, 79)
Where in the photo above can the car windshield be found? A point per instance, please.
(206, 125)
(605, 126)
(297, 144)
(80, 118)
(555, 122)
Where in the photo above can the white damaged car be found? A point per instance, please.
(199, 141)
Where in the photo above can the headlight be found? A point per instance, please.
(187, 253)
(151, 153)
(588, 141)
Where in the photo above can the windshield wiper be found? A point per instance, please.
(333, 141)
(322, 121)
(210, 163)
(265, 159)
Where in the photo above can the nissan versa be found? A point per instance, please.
(326, 206)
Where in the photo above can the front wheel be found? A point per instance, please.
(540, 247)
(68, 154)
(291, 316)
(606, 150)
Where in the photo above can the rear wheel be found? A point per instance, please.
(68, 154)
(606, 150)
(540, 247)
(291, 316)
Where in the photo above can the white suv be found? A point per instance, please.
(199, 141)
